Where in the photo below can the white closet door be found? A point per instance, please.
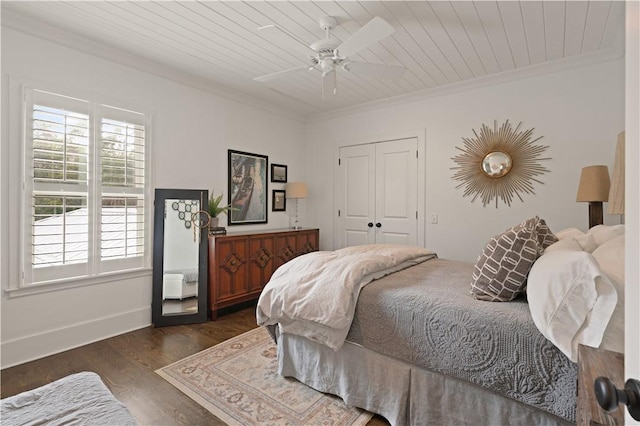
(356, 195)
(396, 192)
(377, 193)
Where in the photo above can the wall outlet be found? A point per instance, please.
(434, 217)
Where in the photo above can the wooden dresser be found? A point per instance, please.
(241, 263)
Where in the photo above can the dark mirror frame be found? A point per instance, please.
(157, 319)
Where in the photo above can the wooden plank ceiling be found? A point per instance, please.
(439, 42)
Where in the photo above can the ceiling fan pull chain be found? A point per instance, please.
(335, 83)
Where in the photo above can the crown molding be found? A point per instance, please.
(532, 71)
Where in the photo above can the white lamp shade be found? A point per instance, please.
(296, 190)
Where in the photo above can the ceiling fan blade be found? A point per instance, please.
(388, 72)
(329, 87)
(279, 74)
(372, 32)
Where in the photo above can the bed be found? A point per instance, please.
(420, 349)
(80, 398)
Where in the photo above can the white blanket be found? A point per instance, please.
(315, 295)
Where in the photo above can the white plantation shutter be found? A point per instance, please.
(60, 162)
(60, 230)
(122, 225)
(85, 187)
(122, 141)
(60, 146)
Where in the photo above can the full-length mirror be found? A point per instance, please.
(180, 260)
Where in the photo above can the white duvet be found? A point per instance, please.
(315, 295)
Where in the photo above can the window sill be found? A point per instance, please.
(76, 282)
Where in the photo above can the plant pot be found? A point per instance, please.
(214, 222)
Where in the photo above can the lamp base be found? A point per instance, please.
(595, 213)
(296, 224)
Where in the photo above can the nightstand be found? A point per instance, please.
(593, 363)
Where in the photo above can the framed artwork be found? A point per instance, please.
(278, 173)
(248, 189)
(278, 201)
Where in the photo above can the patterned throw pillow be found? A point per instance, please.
(500, 274)
(545, 236)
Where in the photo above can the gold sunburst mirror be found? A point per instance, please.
(499, 163)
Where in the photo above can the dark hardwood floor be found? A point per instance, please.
(127, 365)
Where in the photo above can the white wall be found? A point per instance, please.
(191, 132)
(579, 113)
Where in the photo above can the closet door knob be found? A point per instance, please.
(370, 224)
(378, 225)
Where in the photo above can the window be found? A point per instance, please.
(85, 189)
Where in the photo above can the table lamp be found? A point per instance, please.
(296, 190)
(594, 189)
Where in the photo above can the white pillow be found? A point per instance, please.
(569, 243)
(584, 242)
(610, 257)
(587, 242)
(571, 300)
(604, 233)
(569, 233)
(613, 338)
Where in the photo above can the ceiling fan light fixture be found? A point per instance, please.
(326, 65)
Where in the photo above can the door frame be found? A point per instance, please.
(420, 135)
(632, 219)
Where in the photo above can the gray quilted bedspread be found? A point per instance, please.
(426, 316)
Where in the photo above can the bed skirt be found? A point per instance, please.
(402, 393)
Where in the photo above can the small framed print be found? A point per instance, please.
(279, 201)
(278, 173)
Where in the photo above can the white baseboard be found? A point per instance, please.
(35, 346)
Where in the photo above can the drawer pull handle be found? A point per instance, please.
(609, 396)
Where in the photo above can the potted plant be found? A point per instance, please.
(215, 209)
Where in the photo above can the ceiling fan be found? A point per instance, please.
(328, 55)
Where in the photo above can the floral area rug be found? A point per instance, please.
(237, 381)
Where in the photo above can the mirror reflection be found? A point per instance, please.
(180, 262)
(496, 164)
